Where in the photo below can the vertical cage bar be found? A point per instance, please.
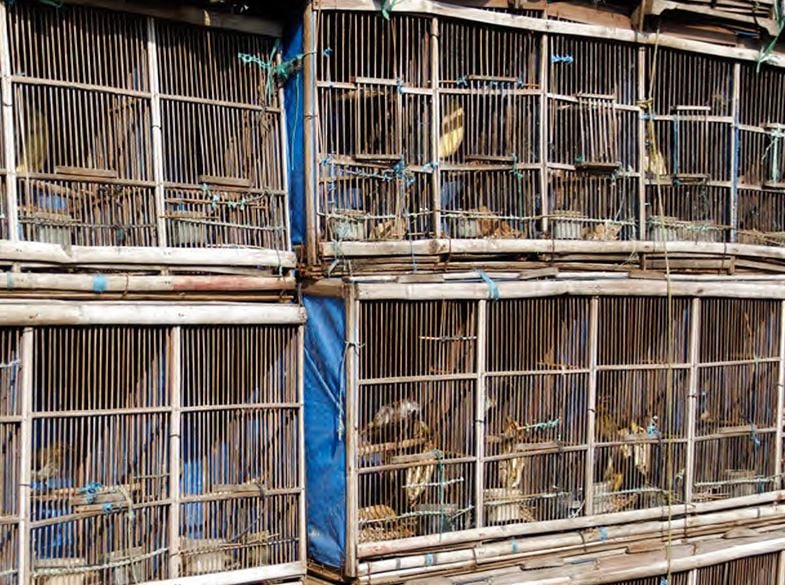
(26, 455)
(352, 307)
(158, 149)
(734, 150)
(692, 398)
(9, 150)
(781, 568)
(309, 131)
(482, 324)
(543, 132)
(174, 452)
(302, 533)
(642, 144)
(780, 400)
(435, 130)
(591, 405)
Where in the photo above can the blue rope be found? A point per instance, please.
(566, 59)
(493, 290)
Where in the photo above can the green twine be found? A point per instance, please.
(276, 72)
(387, 6)
(767, 52)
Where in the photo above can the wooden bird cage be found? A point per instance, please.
(691, 132)
(469, 411)
(145, 443)
(136, 132)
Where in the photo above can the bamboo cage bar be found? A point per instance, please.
(123, 137)
(492, 421)
(152, 450)
(586, 135)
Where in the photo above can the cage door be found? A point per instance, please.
(598, 129)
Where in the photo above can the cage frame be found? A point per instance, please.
(321, 251)
(370, 561)
(30, 314)
(132, 258)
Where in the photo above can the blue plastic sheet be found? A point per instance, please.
(293, 96)
(325, 447)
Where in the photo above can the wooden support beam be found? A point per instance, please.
(191, 15)
(479, 415)
(352, 308)
(591, 414)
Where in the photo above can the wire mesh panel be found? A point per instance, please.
(736, 397)
(10, 410)
(240, 467)
(100, 439)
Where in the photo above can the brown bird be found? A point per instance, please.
(48, 462)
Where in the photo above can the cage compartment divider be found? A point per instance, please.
(25, 559)
(9, 148)
(158, 149)
(174, 450)
(352, 425)
(481, 414)
(591, 408)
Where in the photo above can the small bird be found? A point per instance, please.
(48, 462)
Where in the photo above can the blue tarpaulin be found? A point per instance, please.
(293, 96)
(325, 445)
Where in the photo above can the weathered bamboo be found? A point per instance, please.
(288, 573)
(9, 147)
(158, 149)
(538, 544)
(25, 558)
(68, 313)
(309, 131)
(174, 452)
(352, 308)
(108, 283)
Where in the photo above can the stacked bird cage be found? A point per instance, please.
(144, 444)
(137, 132)
(472, 409)
(426, 140)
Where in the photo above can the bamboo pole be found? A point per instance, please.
(175, 360)
(512, 548)
(578, 287)
(310, 127)
(352, 308)
(25, 457)
(755, 502)
(543, 131)
(780, 399)
(436, 130)
(254, 575)
(9, 148)
(734, 162)
(158, 148)
(591, 414)
(166, 313)
(302, 525)
(103, 283)
(284, 163)
(91, 255)
(692, 399)
(479, 488)
(642, 155)
(513, 246)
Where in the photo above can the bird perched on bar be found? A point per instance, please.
(35, 144)
(48, 462)
(394, 413)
